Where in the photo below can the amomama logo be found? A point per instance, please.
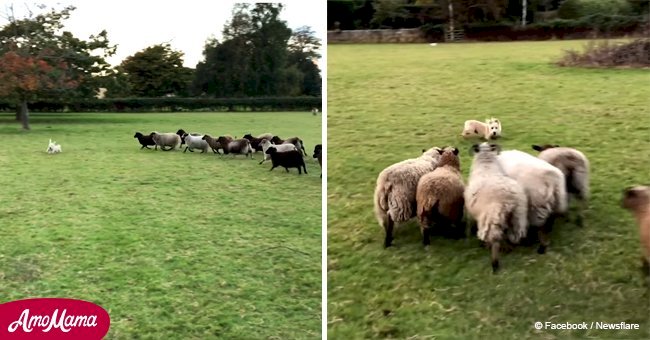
(53, 318)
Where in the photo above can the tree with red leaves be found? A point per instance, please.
(39, 59)
(22, 77)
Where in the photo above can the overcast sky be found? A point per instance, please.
(136, 24)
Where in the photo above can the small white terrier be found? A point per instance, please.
(489, 130)
(52, 147)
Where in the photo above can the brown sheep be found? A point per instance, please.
(238, 146)
(293, 140)
(439, 195)
(214, 145)
(394, 197)
(575, 167)
(637, 200)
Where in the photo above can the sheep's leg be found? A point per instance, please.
(542, 234)
(645, 267)
(299, 171)
(495, 256)
(388, 227)
(184, 151)
(304, 167)
(143, 147)
(582, 206)
(285, 168)
(262, 161)
(273, 167)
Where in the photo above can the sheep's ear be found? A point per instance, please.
(496, 147)
(556, 146)
(456, 151)
(441, 151)
(424, 150)
(536, 147)
(473, 149)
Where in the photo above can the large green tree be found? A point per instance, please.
(156, 71)
(304, 53)
(257, 56)
(49, 61)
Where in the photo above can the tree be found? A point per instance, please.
(156, 71)
(259, 56)
(49, 61)
(23, 76)
(303, 53)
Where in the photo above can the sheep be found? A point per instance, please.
(255, 141)
(181, 133)
(144, 140)
(637, 200)
(439, 195)
(214, 144)
(266, 135)
(266, 144)
(195, 142)
(293, 140)
(318, 154)
(237, 146)
(394, 197)
(497, 202)
(171, 140)
(287, 159)
(575, 167)
(544, 188)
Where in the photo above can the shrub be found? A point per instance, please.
(608, 54)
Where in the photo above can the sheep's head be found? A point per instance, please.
(276, 140)
(636, 198)
(265, 142)
(485, 148)
(449, 156)
(494, 127)
(271, 150)
(318, 150)
(248, 136)
(138, 135)
(206, 137)
(181, 132)
(433, 153)
(543, 147)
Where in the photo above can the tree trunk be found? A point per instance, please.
(524, 9)
(18, 112)
(451, 21)
(24, 114)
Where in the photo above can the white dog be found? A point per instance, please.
(52, 147)
(489, 130)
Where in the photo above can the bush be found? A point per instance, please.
(171, 104)
(607, 54)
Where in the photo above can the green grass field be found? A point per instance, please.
(388, 102)
(171, 244)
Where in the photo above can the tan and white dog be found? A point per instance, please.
(52, 147)
(491, 129)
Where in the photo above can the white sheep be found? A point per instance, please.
(162, 140)
(544, 186)
(266, 144)
(195, 142)
(575, 167)
(497, 202)
(394, 197)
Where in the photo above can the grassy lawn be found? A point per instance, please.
(171, 244)
(388, 102)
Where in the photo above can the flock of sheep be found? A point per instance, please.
(282, 153)
(508, 193)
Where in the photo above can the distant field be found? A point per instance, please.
(388, 102)
(171, 244)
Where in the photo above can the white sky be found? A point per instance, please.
(186, 25)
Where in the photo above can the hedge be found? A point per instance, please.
(171, 104)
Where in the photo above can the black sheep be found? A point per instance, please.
(288, 159)
(145, 140)
(318, 154)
